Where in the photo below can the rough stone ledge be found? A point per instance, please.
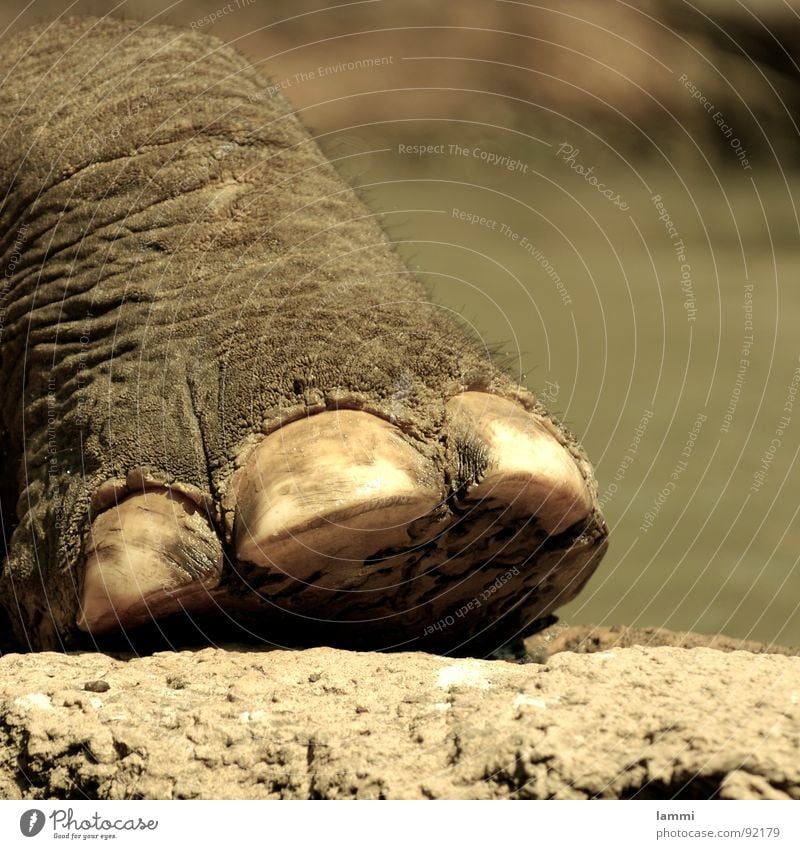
(321, 723)
(560, 636)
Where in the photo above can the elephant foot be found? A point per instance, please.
(348, 527)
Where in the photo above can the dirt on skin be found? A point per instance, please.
(242, 723)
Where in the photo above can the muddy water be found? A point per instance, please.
(658, 315)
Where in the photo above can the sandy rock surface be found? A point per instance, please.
(321, 723)
(561, 637)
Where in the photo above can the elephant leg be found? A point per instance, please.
(227, 397)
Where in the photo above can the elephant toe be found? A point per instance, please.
(511, 460)
(150, 555)
(319, 497)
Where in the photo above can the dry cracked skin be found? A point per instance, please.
(227, 403)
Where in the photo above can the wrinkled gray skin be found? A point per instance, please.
(184, 272)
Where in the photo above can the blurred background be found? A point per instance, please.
(608, 190)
